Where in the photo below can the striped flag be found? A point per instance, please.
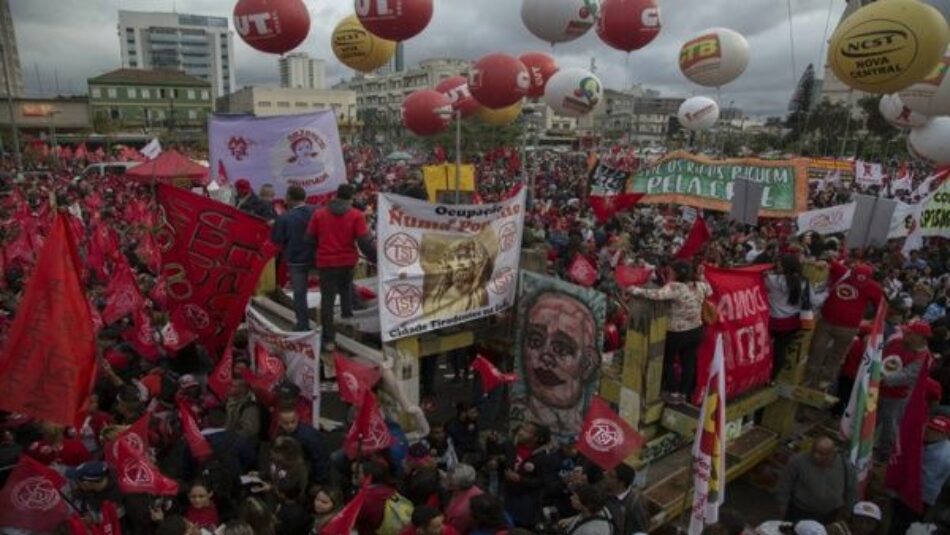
(860, 418)
(709, 448)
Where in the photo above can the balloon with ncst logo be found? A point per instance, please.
(456, 88)
(628, 25)
(273, 26)
(559, 21)
(396, 20)
(541, 67)
(714, 58)
(359, 49)
(498, 81)
(887, 46)
(698, 113)
(573, 92)
(426, 112)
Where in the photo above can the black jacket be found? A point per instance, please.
(290, 234)
(315, 450)
(538, 477)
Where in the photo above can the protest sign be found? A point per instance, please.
(822, 168)
(440, 183)
(287, 150)
(691, 180)
(829, 220)
(442, 265)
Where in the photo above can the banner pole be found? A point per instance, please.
(458, 156)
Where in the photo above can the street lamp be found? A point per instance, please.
(52, 132)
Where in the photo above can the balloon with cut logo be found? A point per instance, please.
(456, 88)
(929, 142)
(541, 67)
(573, 92)
(498, 81)
(426, 112)
(359, 49)
(931, 95)
(897, 113)
(628, 25)
(714, 58)
(396, 20)
(698, 113)
(501, 117)
(559, 21)
(273, 26)
(888, 46)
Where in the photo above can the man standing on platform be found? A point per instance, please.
(297, 249)
(903, 358)
(819, 485)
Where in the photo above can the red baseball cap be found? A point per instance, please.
(242, 186)
(940, 424)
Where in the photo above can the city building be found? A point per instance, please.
(637, 115)
(396, 64)
(264, 101)
(49, 116)
(10, 54)
(300, 70)
(148, 99)
(200, 46)
(832, 88)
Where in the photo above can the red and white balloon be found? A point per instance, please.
(628, 25)
(498, 81)
(897, 113)
(426, 112)
(396, 20)
(573, 92)
(559, 21)
(698, 113)
(456, 88)
(541, 67)
(273, 26)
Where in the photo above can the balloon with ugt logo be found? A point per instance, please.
(396, 20)
(272, 26)
(888, 46)
(541, 67)
(498, 81)
(628, 25)
(456, 88)
(426, 112)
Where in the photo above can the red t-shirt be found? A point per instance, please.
(336, 237)
(908, 356)
(849, 298)
(206, 518)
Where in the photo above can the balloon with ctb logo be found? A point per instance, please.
(714, 58)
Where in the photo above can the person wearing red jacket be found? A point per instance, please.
(850, 291)
(338, 229)
(902, 362)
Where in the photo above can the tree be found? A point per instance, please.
(801, 104)
(875, 123)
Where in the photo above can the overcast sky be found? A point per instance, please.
(77, 39)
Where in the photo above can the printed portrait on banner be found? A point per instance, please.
(557, 353)
(457, 272)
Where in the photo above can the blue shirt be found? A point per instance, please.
(936, 467)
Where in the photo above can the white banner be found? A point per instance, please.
(300, 352)
(441, 265)
(284, 150)
(869, 174)
(827, 220)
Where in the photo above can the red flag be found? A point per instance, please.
(31, 500)
(606, 207)
(354, 378)
(122, 295)
(212, 256)
(197, 443)
(135, 438)
(141, 336)
(491, 376)
(582, 271)
(697, 238)
(369, 432)
(136, 474)
(175, 334)
(606, 439)
(220, 380)
(269, 368)
(343, 522)
(904, 472)
(627, 276)
(222, 174)
(48, 362)
(149, 253)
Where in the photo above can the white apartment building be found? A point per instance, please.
(265, 101)
(199, 45)
(300, 70)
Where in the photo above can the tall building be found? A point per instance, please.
(200, 46)
(300, 70)
(832, 88)
(10, 54)
(396, 64)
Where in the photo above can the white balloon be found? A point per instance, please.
(931, 96)
(559, 21)
(573, 92)
(698, 113)
(715, 57)
(894, 111)
(931, 142)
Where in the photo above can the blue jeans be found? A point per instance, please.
(299, 282)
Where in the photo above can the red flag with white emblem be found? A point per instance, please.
(582, 271)
(606, 439)
(354, 378)
(136, 474)
(369, 432)
(343, 522)
(197, 444)
(123, 297)
(31, 500)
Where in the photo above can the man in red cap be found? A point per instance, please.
(903, 359)
(850, 292)
(249, 203)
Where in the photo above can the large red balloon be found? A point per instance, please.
(274, 26)
(456, 88)
(498, 81)
(628, 25)
(396, 20)
(426, 112)
(541, 67)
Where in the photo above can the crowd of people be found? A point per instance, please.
(272, 471)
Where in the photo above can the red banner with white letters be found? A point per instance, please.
(743, 305)
(212, 257)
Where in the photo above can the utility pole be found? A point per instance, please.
(11, 109)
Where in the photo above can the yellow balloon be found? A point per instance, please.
(888, 45)
(500, 117)
(359, 49)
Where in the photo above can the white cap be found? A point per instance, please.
(867, 510)
(809, 527)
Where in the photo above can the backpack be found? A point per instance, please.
(396, 515)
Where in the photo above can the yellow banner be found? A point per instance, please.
(440, 182)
